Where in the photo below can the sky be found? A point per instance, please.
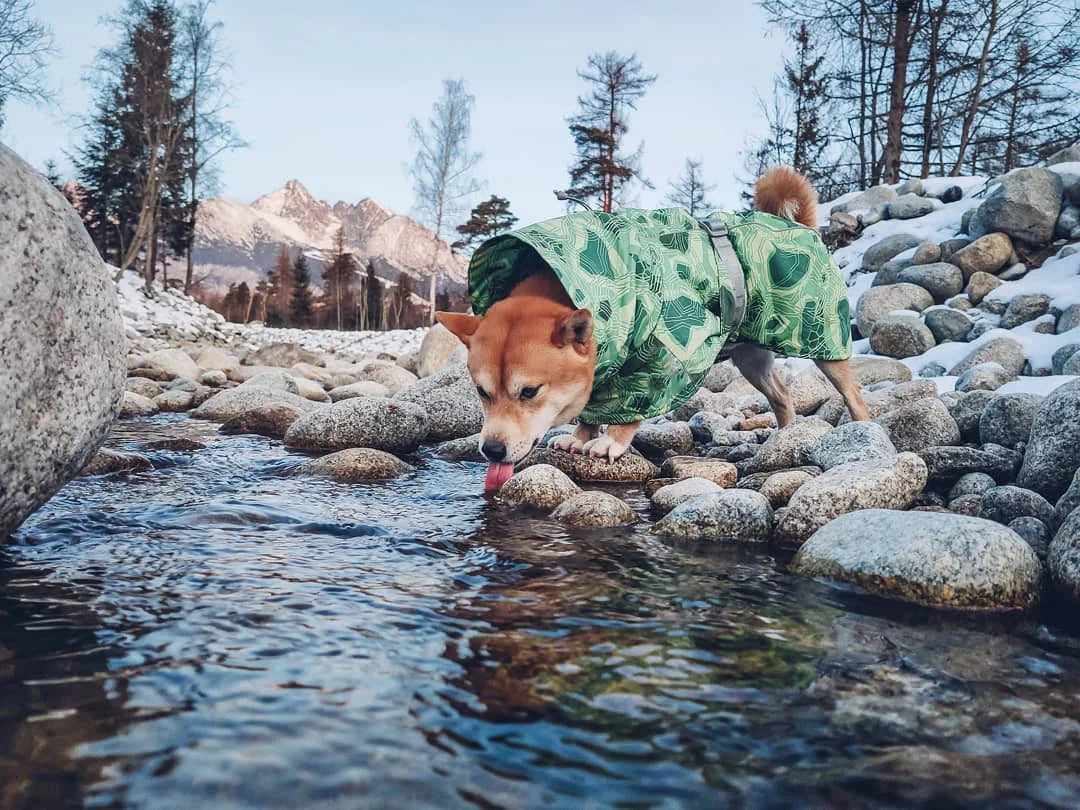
(323, 91)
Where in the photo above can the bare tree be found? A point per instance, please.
(26, 44)
(204, 68)
(443, 168)
(690, 189)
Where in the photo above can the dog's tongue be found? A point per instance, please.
(497, 475)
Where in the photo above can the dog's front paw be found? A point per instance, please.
(605, 447)
(568, 442)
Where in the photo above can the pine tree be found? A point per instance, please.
(280, 282)
(339, 275)
(488, 219)
(374, 296)
(690, 189)
(617, 83)
(243, 302)
(400, 300)
(300, 308)
(806, 86)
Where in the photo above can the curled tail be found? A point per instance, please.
(786, 193)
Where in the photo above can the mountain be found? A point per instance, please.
(236, 242)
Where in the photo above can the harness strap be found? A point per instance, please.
(718, 235)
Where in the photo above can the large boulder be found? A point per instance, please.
(1024, 205)
(947, 463)
(934, 559)
(1063, 559)
(594, 510)
(920, 424)
(910, 206)
(356, 465)
(1006, 503)
(1024, 308)
(438, 346)
(449, 397)
(987, 254)
(901, 336)
(62, 363)
(1007, 419)
(868, 370)
(855, 441)
(1005, 351)
(941, 279)
(232, 402)
(375, 422)
(730, 514)
(541, 486)
(174, 362)
(891, 483)
(788, 447)
(877, 302)
(1053, 452)
(880, 252)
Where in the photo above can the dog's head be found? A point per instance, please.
(532, 360)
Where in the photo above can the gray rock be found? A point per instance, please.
(1007, 419)
(981, 285)
(891, 483)
(945, 463)
(393, 376)
(1006, 503)
(144, 387)
(182, 384)
(1063, 559)
(356, 465)
(174, 401)
(450, 400)
(594, 510)
(58, 317)
(720, 376)
(914, 186)
(979, 328)
(983, 377)
(435, 350)
(876, 195)
(844, 223)
(1068, 501)
(877, 302)
(706, 426)
(705, 400)
(730, 514)
(364, 388)
(668, 497)
(868, 370)
(966, 408)
(656, 439)
(376, 422)
(231, 402)
(890, 271)
(809, 390)
(927, 253)
(1067, 222)
(950, 195)
(1068, 320)
(987, 254)
(540, 486)
(174, 362)
(788, 447)
(1072, 365)
(214, 378)
(901, 336)
(1005, 351)
(781, 486)
(855, 441)
(1061, 356)
(975, 483)
(721, 473)
(932, 370)
(947, 324)
(879, 403)
(271, 419)
(880, 252)
(941, 279)
(910, 206)
(105, 462)
(920, 424)
(1070, 154)
(628, 468)
(135, 405)
(950, 246)
(1023, 308)
(211, 358)
(1013, 272)
(275, 381)
(309, 389)
(1053, 452)
(466, 449)
(933, 559)
(1024, 205)
(1035, 534)
(966, 505)
(284, 355)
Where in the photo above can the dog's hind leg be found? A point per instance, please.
(839, 374)
(756, 365)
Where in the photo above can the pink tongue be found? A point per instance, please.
(497, 475)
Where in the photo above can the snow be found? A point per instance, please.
(1036, 385)
(1058, 278)
(1071, 167)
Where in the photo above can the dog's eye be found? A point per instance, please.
(483, 394)
(530, 391)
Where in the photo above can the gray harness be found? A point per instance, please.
(718, 235)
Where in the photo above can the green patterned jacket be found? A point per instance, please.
(661, 301)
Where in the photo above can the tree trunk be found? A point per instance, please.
(894, 126)
(976, 91)
(936, 20)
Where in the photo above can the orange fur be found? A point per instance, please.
(786, 193)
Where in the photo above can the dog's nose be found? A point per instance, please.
(493, 451)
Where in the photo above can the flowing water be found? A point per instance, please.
(218, 632)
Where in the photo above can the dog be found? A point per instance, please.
(614, 318)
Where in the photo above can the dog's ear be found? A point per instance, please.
(573, 329)
(462, 325)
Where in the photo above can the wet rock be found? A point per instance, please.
(1057, 362)
(231, 402)
(880, 252)
(144, 387)
(667, 498)
(1053, 452)
(1024, 205)
(275, 381)
(941, 279)
(283, 355)
(878, 302)
(867, 370)
(981, 285)
(393, 376)
(174, 445)
(966, 408)
(435, 350)
(656, 439)
(983, 377)
(272, 419)
(465, 449)
(901, 336)
(1005, 351)
(356, 465)
(854, 441)
(213, 378)
(947, 324)
(1006, 503)
(948, 463)
(934, 559)
(920, 424)
(1063, 560)
(721, 473)
(987, 254)
(1007, 419)
(975, 483)
(174, 401)
(364, 388)
(450, 400)
(788, 447)
(383, 424)
(629, 468)
(110, 461)
(135, 405)
(927, 253)
(877, 484)
(730, 514)
(594, 510)
(1023, 308)
(1035, 534)
(780, 486)
(541, 486)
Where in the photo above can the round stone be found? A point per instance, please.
(356, 465)
(594, 510)
(730, 514)
(541, 486)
